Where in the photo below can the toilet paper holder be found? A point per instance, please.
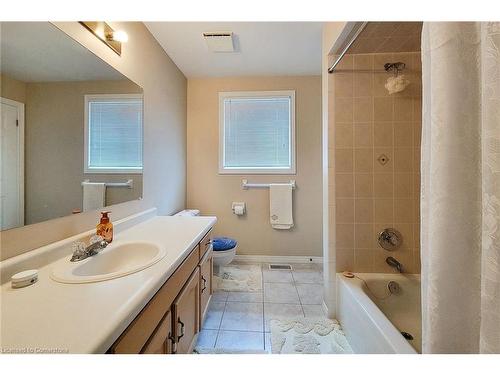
(239, 208)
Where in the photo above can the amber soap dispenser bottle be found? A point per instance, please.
(105, 227)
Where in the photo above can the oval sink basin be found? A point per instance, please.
(117, 260)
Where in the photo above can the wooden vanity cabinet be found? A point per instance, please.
(171, 320)
(186, 315)
(206, 288)
(161, 342)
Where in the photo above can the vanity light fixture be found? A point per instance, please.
(113, 39)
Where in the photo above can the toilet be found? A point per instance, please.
(224, 248)
(224, 251)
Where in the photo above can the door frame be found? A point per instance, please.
(20, 168)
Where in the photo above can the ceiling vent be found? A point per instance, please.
(219, 41)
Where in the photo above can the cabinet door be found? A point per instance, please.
(186, 309)
(206, 266)
(161, 340)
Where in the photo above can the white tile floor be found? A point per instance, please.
(240, 320)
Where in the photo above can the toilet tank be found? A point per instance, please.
(188, 213)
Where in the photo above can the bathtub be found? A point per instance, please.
(374, 325)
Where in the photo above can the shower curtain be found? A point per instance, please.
(460, 197)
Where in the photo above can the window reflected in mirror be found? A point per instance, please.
(71, 127)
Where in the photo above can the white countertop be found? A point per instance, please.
(88, 318)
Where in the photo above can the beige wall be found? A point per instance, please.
(365, 124)
(12, 89)
(213, 193)
(144, 62)
(54, 148)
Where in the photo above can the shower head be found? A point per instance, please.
(395, 67)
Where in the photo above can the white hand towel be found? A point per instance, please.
(280, 197)
(93, 195)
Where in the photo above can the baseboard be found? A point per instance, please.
(278, 259)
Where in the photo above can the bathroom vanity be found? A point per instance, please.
(172, 318)
(158, 309)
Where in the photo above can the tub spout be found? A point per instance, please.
(394, 263)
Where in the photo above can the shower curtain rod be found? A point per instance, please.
(344, 51)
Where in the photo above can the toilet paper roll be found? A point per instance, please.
(239, 210)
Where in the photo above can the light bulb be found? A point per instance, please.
(120, 36)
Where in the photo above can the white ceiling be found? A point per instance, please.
(39, 52)
(262, 48)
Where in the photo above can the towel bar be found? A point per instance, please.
(129, 184)
(246, 185)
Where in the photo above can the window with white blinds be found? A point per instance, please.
(257, 132)
(113, 133)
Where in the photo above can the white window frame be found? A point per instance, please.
(104, 97)
(290, 94)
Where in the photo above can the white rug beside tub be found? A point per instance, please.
(239, 278)
(308, 336)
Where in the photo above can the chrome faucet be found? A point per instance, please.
(394, 263)
(91, 250)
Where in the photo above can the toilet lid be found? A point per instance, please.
(223, 243)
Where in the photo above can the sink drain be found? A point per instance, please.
(406, 335)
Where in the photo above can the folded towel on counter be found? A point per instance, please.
(280, 197)
(94, 194)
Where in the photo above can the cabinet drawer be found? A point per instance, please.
(161, 340)
(186, 310)
(205, 244)
(138, 332)
(206, 265)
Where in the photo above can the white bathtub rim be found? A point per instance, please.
(392, 335)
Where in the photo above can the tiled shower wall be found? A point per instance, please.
(374, 162)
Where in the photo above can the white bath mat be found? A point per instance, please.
(239, 278)
(308, 336)
(200, 350)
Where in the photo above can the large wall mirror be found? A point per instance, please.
(71, 127)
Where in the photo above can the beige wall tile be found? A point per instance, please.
(383, 185)
(363, 84)
(417, 134)
(363, 210)
(345, 236)
(344, 185)
(383, 134)
(363, 62)
(416, 235)
(363, 185)
(387, 167)
(363, 109)
(377, 123)
(363, 160)
(363, 260)
(403, 134)
(403, 210)
(406, 230)
(383, 109)
(344, 160)
(383, 210)
(363, 135)
(343, 109)
(403, 160)
(363, 236)
(379, 80)
(403, 185)
(343, 84)
(345, 260)
(344, 135)
(344, 211)
(403, 109)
